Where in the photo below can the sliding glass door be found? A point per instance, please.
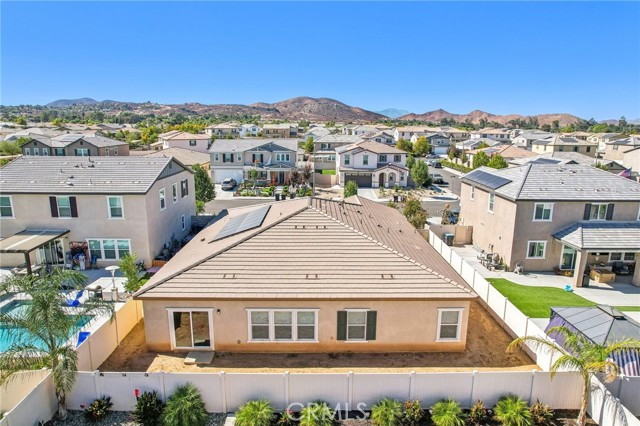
(191, 328)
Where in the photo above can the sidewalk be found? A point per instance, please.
(374, 195)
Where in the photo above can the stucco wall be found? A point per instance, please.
(202, 144)
(401, 325)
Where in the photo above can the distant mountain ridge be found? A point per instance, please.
(477, 115)
(70, 102)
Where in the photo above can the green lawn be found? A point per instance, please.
(535, 302)
(327, 172)
(628, 308)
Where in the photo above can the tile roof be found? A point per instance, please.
(80, 175)
(372, 146)
(311, 249)
(339, 138)
(176, 135)
(187, 157)
(561, 140)
(92, 138)
(599, 235)
(601, 324)
(536, 181)
(242, 145)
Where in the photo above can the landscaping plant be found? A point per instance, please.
(185, 407)
(317, 414)
(350, 188)
(286, 418)
(130, 271)
(511, 410)
(412, 413)
(148, 411)
(447, 413)
(478, 414)
(541, 414)
(255, 413)
(98, 410)
(387, 412)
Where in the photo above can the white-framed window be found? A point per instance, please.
(543, 212)
(6, 207)
(174, 192)
(492, 202)
(536, 249)
(109, 248)
(624, 256)
(347, 159)
(357, 324)
(239, 157)
(449, 324)
(638, 218)
(45, 151)
(397, 158)
(192, 143)
(365, 160)
(216, 157)
(191, 328)
(27, 151)
(383, 158)
(472, 194)
(598, 211)
(115, 205)
(282, 325)
(183, 222)
(282, 157)
(64, 206)
(163, 201)
(82, 152)
(35, 151)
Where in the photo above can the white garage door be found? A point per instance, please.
(221, 174)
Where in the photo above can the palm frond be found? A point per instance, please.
(19, 358)
(65, 369)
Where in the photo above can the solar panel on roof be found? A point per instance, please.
(242, 223)
(546, 161)
(487, 179)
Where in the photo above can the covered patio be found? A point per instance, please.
(48, 245)
(606, 251)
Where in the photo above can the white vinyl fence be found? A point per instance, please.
(349, 391)
(39, 405)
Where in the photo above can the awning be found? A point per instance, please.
(29, 240)
(601, 235)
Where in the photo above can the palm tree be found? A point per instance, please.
(578, 353)
(39, 333)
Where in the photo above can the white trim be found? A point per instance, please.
(115, 240)
(13, 215)
(544, 207)
(544, 250)
(294, 325)
(562, 253)
(172, 330)
(68, 197)
(605, 211)
(472, 194)
(109, 207)
(175, 198)
(622, 256)
(162, 197)
(364, 339)
(491, 204)
(458, 328)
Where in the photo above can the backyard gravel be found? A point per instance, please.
(122, 418)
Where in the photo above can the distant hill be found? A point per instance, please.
(477, 115)
(393, 112)
(70, 102)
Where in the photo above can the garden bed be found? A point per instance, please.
(122, 418)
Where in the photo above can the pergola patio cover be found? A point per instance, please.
(601, 235)
(30, 239)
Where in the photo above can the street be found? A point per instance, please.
(451, 178)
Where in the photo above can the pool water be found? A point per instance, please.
(18, 307)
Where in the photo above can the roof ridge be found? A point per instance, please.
(219, 252)
(392, 250)
(528, 166)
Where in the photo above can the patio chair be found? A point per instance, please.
(75, 302)
(93, 262)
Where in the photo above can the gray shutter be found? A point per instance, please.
(587, 211)
(53, 202)
(610, 211)
(372, 317)
(74, 206)
(224, 158)
(342, 325)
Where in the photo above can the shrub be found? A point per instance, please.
(148, 410)
(412, 414)
(541, 414)
(285, 419)
(98, 410)
(185, 408)
(447, 413)
(478, 414)
(511, 410)
(386, 412)
(317, 414)
(350, 188)
(255, 413)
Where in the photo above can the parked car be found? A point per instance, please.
(433, 156)
(436, 178)
(621, 268)
(229, 184)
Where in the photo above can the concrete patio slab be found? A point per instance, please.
(198, 358)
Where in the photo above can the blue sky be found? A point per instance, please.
(501, 57)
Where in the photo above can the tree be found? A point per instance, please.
(410, 161)
(463, 157)
(306, 172)
(581, 354)
(205, 190)
(130, 271)
(404, 145)
(555, 126)
(414, 213)
(22, 121)
(497, 162)
(40, 332)
(10, 147)
(308, 145)
(296, 177)
(350, 188)
(421, 147)
(57, 122)
(480, 159)
(420, 173)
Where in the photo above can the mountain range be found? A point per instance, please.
(312, 109)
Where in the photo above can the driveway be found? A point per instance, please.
(223, 195)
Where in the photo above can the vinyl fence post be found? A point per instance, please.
(223, 391)
(286, 389)
(350, 390)
(412, 385)
(533, 381)
(163, 387)
(526, 327)
(96, 383)
(473, 387)
(91, 366)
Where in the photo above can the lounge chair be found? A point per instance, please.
(75, 302)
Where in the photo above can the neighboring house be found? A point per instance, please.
(603, 138)
(324, 149)
(508, 152)
(469, 144)
(500, 135)
(249, 130)
(365, 129)
(178, 139)
(371, 164)
(631, 160)
(282, 130)
(553, 216)
(272, 159)
(307, 275)
(439, 142)
(224, 130)
(75, 144)
(558, 157)
(407, 132)
(381, 137)
(579, 135)
(186, 157)
(563, 144)
(33, 132)
(114, 205)
(614, 149)
(316, 133)
(526, 138)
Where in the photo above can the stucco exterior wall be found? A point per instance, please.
(401, 325)
(202, 145)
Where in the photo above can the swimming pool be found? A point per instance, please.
(17, 307)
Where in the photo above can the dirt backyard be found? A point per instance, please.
(486, 344)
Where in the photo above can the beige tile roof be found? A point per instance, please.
(372, 146)
(187, 157)
(311, 249)
(178, 135)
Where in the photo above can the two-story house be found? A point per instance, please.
(281, 130)
(614, 149)
(406, 132)
(600, 139)
(500, 135)
(563, 144)
(272, 159)
(109, 205)
(382, 137)
(546, 217)
(178, 139)
(223, 130)
(439, 142)
(526, 138)
(371, 164)
(75, 144)
(324, 149)
(316, 132)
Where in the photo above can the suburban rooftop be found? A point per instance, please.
(241, 145)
